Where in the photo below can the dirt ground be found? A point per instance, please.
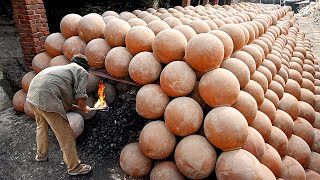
(17, 131)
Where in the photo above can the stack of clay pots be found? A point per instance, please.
(231, 92)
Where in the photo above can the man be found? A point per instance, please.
(51, 94)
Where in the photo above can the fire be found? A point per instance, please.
(101, 103)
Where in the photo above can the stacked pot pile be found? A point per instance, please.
(240, 79)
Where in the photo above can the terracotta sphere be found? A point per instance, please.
(261, 79)
(53, 44)
(296, 66)
(256, 91)
(304, 130)
(290, 105)
(183, 116)
(40, 62)
(73, 45)
(284, 122)
(197, 55)
(283, 73)
(254, 143)
(18, 100)
(115, 32)
(269, 109)
(262, 124)
(236, 34)
(136, 22)
(308, 97)
(169, 45)
(316, 123)
(195, 157)
(166, 170)
(155, 141)
(226, 40)
(280, 80)
(239, 69)
(263, 45)
(173, 21)
(58, 61)
(187, 31)
(292, 169)
(177, 79)
(107, 19)
(26, 80)
(298, 54)
(309, 68)
(200, 26)
(254, 52)
(28, 110)
(212, 25)
(314, 162)
(277, 88)
(69, 25)
(218, 22)
(110, 13)
(251, 30)
(307, 112)
(317, 105)
(278, 140)
(306, 83)
(220, 129)
(292, 87)
(267, 173)
(144, 68)
(149, 18)
(93, 81)
(127, 15)
(316, 142)
(133, 162)
(246, 58)
(219, 87)
(247, 105)
(151, 101)
(91, 26)
(139, 39)
(272, 160)
(238, 164)
(158, 26)
(186, 21)
(308, 75)
(76, 122)
(96, 52)
(312, 174)
(273, 97)
(275, 59)
(299, 150)
(117, 62)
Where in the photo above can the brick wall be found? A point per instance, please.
(31, 24)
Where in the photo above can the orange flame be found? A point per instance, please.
(101, 103)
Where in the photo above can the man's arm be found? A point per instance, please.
(81, 105)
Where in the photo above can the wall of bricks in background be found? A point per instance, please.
(32, 26)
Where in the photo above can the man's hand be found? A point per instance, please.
(86, 109)
(82, 106)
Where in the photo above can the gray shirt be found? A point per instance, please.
(56, 88)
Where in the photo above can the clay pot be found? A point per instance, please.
(93, 81)
(136, 22)
(256, 91)
(195, 157)
(173, 21)
(246, 58)
(261, 79)
(272, 160)
(220, 129)
(139, 39)
(167, 51)
(177, 79)
(155, 141)
(292, 87)
(151, 101)
(200, 26)
(183, 116)
(267, 173)
(59, 61)
(236, 34)
(306, 83)
(247, 105)
(299, 150)
(284, 122)
(40, 62)
(126, 15)
(238, 164)
(266, 72)
(291, 169)
(117, 62)
(219, 87)
(144, 68)
(283, 73)
(278, 140)
(254, 52)
(166, 170)
(53, 44)
(254, 143)
(307, 112)
(270, 65)
(73, 45)
(197, 55)
(91, 26)
(115, 32)
(69, 25)
(262, 124)
(275, 59)
(277, 88)
(76, 122)
(308, 75)
(269, 109)
(158, 26)
(312, 174)
(290, 105)
(28, 110)
(133, 162)
(96, 52)
(239, 69)
(226, 40)
(280, 80)
(273, 97)
(304, 130)
(187, 31)
(316, 123)
(26, 80)
(316, 142)
(314, 162)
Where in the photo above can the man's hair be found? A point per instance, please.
(81, 60)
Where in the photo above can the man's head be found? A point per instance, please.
(81, 60)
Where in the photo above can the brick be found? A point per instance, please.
(35, 16)
(46, 33)
(40, 11)
(23, 26)
(43, 38)
(37, 35)
(43, 29)
(30, 12)
(40, 6)
(31, 7)
(43, 15)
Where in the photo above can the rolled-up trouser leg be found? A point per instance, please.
(42, 133)
(65, 137)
